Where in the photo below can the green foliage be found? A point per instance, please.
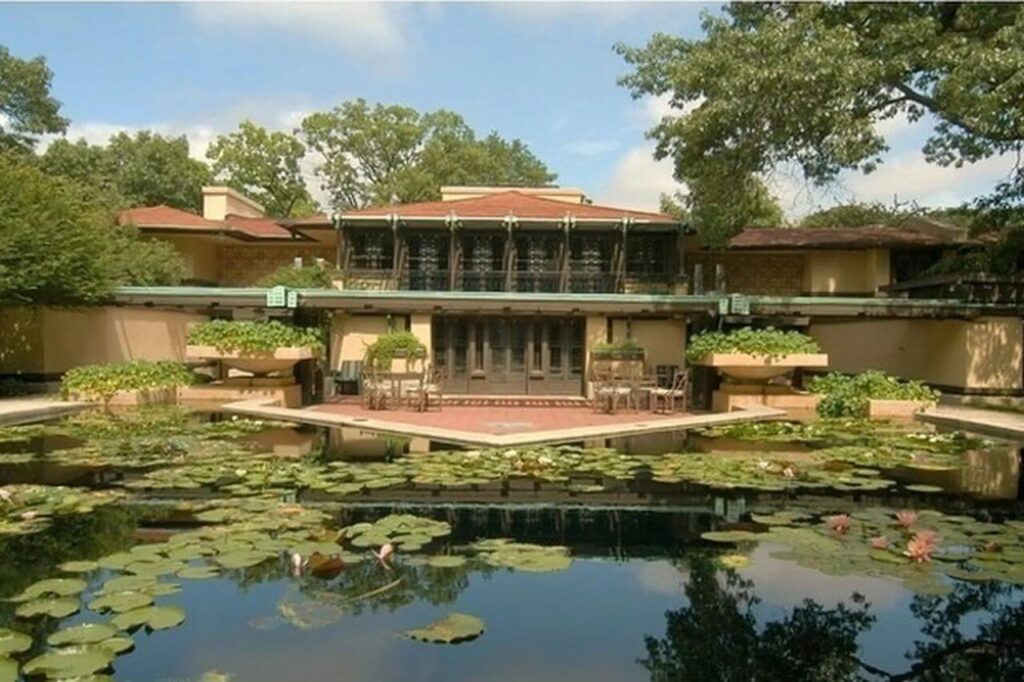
(626, 346)
(306, 277)
(855, 215)
(265, 166)
(848, 396)
(372, 155)
(144, 169)
(230, 335)
(807, 84)
(387, 346)
(106, 380)
(59, 243)
(26, 108)
(771, 342)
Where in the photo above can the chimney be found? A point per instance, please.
(219, 202)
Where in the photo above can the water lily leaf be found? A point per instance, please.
(84, 633)
(8, 670)
(79, 566)
(69, 663)
(731, 536)
(54, 587)
(888, 557)
(734, 560)
(128, 583)
(923, 488)
(199, 572)
(452, 561)
(59, 607)
(452, 629)
(117, 645)
(153, 617)
(241, 559)
(13, 642)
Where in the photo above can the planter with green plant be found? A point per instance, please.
(871, 394)
(127, 383)
(260, 347)
(391, 346)
(627, 349)
(755, 354)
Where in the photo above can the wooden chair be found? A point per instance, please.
(667, 397)
(375, 392)
(429, 390)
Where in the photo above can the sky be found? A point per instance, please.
(545, 73)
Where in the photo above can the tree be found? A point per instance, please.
(855, 215)
(145, 169)
(808, 83)
(265, 166)
(26, 108)
(60, 245)
(718, 208)
(373, 155)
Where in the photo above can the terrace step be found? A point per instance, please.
(461, 400)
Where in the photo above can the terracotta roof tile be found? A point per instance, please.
(258, 227)
(872, 237)
(522, 206)
(167, 218)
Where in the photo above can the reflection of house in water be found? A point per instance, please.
(992, 473)
(284, 441)
(346, 443)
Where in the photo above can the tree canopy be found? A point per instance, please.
(144, 169)
(60, 245)
(26, 108)
(373, 155)
(808, 83)
(264, 165)
(855, 215)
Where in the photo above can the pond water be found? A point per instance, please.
(204, 548)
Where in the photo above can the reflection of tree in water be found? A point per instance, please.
(716, 636)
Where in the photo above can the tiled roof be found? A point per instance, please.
(872, 237)
(518, 204)
(167, 218)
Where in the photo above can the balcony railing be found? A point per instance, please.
(495, 280)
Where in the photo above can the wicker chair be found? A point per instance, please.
(667, 397)
(429, 390)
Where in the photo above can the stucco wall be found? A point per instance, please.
(351, 334)
(48, 341)
(663, 340)
(977, 355)
(200, 254)
(845, 272)
(243, 265)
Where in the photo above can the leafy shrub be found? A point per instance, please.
(386, 347)
(231, 335)
(105, 381)
(306, 277)
(848, 396)
(771, 342)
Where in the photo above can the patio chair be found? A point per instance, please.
(375, 392)
(428, 391)
(667, 397)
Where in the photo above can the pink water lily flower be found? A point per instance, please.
(921, 547)
(906, 518)
(384, 555)
(881, 542)
(838, 524)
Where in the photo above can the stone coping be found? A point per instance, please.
(270, 410)
(15, 411)
(1000, 424)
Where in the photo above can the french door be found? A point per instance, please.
(509, 355)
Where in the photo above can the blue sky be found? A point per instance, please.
(544, 73)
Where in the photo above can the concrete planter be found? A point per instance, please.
(757, 368)
(256, 362)
(137, 398)
(896, 409)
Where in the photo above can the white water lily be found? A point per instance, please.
(763, 464)
(5, 495)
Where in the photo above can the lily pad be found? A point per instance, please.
(120, 602)
(241, 559)
(923, 488)
(452, 561)
(54, 587)
(153, 617)
(452, 629)
(8, 670)
(13, 642)
(199, 572)
(85, 633)
(58, 607)
(79, 566)
(69, 663)
(731, 536)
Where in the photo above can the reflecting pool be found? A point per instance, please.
(164, 545)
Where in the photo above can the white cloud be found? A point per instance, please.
(589, 148)
(364, 30)
(544, 14)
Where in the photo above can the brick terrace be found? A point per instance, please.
(498, 419)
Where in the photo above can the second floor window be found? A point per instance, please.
(647, 254)
(373, 251)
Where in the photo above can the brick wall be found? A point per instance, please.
(244, 265)
(767, 274)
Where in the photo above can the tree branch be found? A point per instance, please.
(933, 106)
